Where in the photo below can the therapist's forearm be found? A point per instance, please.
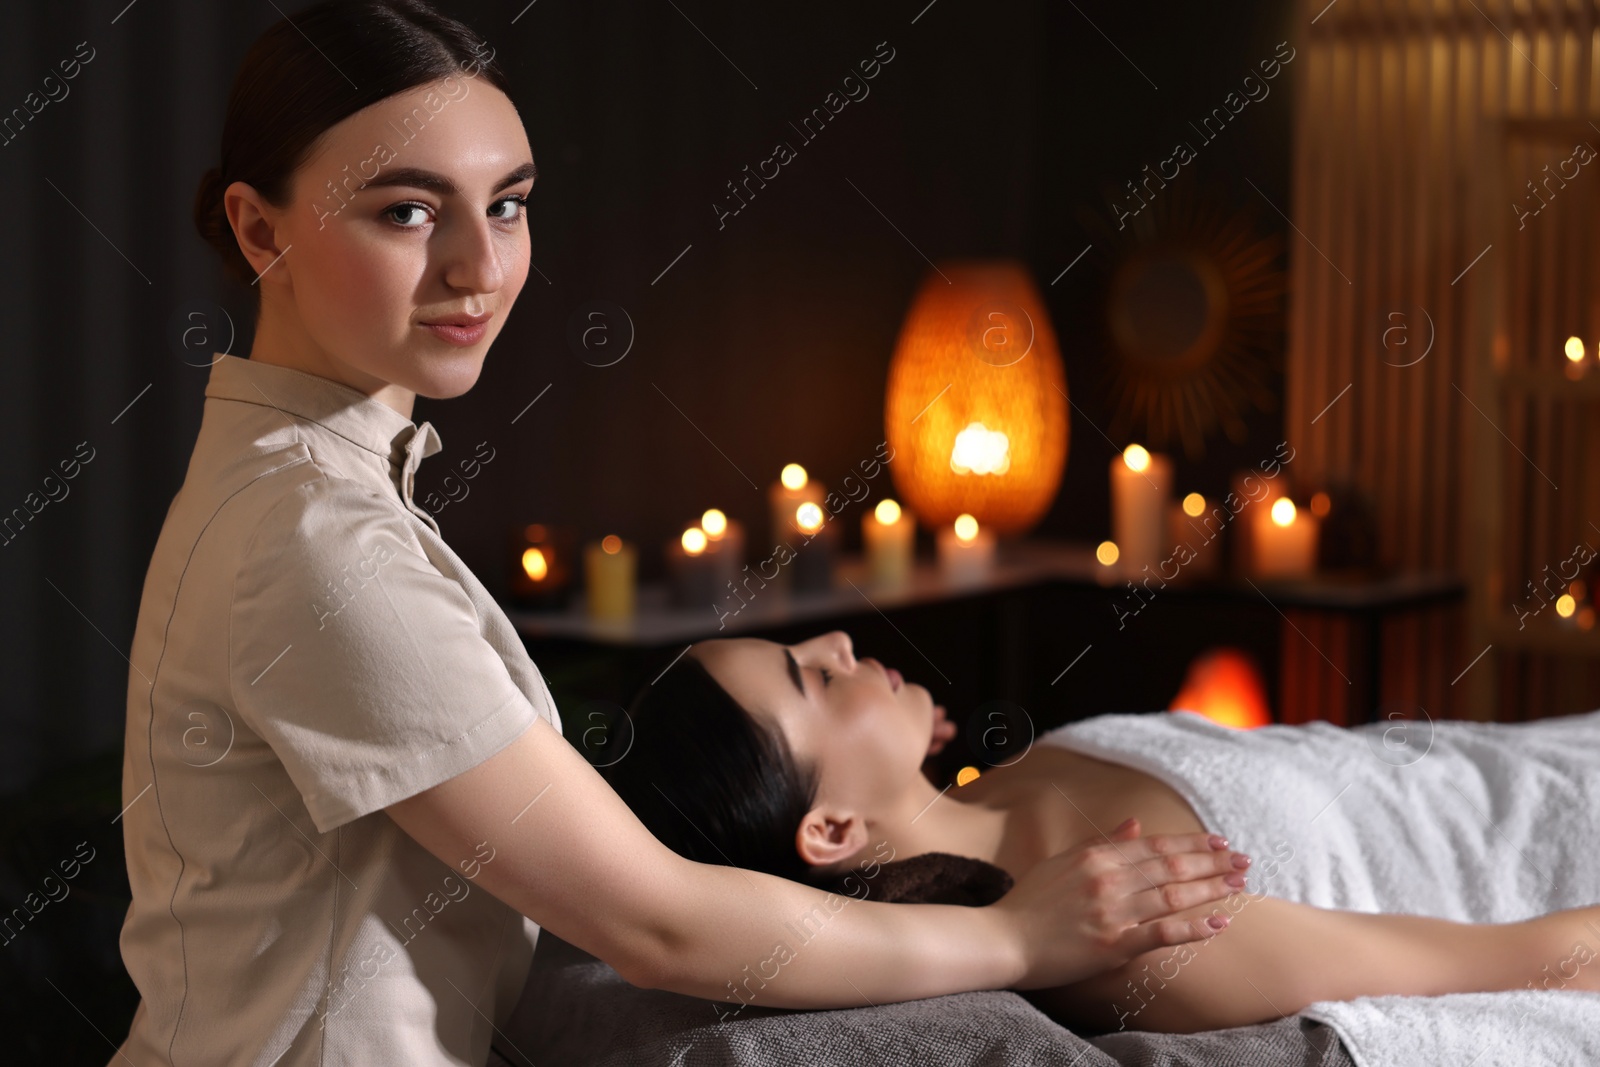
(743, 937)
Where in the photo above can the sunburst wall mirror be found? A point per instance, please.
(1194, 320)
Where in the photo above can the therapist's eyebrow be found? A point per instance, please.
(794, 673)
(417, 178)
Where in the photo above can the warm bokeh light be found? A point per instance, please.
(1107, 552)
(1586, 618)
(1578, 590)
(1194, 505)
(714, 523)
(1136, 457)
(1283, 511)
(1575, 349)
(966, 527)
(979, 450)
(611, 544)
(808, 517)
(1225, 687)
(1321, 504)
(967, 774)
(534, 565)
(887, 512)
(793, 477)
(1566, 606)
(694, 540)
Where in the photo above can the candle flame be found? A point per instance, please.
(1565, 605)
(714, 523)
(1194, 505)
(980, 450)
(694, 540)
(1107, 553)
(887, 512)
(966, 528)
(1575, 349)
(793, 477)
(967, 774)
(611, 544)
(809, 517)
(1136, 457)
(534, 565)
(1283, 511)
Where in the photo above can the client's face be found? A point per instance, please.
(865, 729)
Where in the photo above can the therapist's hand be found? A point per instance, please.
(1096, 906)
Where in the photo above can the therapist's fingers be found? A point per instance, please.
(1170, 931)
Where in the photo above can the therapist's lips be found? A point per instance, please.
(462, 330)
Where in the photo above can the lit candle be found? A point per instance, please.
(793, 488)
(725, 546)
(1575, 353)
(541, 561)
(814, 549)
(1193, 523)
(1140, 486)
(889, 535)
(966, 552)
(609, 569)
(694, 570)
(1284, 540)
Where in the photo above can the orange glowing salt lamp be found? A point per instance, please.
(1224, 686)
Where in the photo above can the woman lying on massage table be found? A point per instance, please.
(805, 762)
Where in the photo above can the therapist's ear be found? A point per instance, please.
(830, 836)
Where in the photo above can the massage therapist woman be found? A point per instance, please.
(345, 828)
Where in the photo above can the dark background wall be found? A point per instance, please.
(996, 130)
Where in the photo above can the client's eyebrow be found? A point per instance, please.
(417, 178)
(794, 673)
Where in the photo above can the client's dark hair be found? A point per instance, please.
(710, 781)
(311, 71)
(716, 785)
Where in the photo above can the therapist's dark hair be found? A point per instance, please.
(311, 71)
(712, 782)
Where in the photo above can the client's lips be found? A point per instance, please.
(896, 680)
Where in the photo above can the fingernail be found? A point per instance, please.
(1240, 860)
(1236, 880)
(1217, 922)
(1218, 841)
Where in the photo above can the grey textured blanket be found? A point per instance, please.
(578, 1011)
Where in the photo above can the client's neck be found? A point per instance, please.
(930, 819)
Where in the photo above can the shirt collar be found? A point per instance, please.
(353, 415)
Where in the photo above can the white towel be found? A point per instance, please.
(1468, 821)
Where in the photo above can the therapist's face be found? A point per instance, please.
(864, 729)
(436, 234)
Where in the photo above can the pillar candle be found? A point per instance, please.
(784, 497)
(1284, 540)
(1141, 483)
(609, 569)
(725, 545)
(1195, 524)
(694, 570)
(888, 536)
(966, 552)
(815, 546)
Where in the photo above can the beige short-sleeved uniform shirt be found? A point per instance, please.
(307, 652)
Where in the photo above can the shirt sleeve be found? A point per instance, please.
(363, 666)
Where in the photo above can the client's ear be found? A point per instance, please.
(828, 836)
